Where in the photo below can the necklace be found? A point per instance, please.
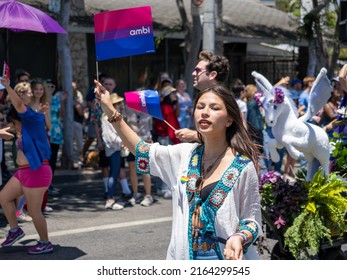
(204, 173)
(196, 222)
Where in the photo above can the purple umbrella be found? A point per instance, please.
(17, 16)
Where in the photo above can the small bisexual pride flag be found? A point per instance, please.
(123, 32)
(145, 101)
(6, 70)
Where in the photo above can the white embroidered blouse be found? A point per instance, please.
(231, 205)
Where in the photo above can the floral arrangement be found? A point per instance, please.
(258, 96)
(279, 96)
(304, 213)
(338, 144)
(281, 201)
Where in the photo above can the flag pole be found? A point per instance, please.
(97, 78)
(97, 71)
(170, 125)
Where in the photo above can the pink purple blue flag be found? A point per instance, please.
(6, 70)
(145, 101)
(123, 32)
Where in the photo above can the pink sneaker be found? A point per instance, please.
(12, 237)
(41, 248)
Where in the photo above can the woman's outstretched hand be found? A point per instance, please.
(101, 94)
(233, 249)
(5, 81)
(128, 136)
(103, 97)
(5, 134)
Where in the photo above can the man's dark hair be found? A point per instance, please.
(237, 87)
(217, 63)
(21, 72)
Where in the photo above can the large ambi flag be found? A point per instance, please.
(145, 101)
(123, 32)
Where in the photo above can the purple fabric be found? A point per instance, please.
(18, 17)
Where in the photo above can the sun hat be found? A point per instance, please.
(167, 91)
(115, 98)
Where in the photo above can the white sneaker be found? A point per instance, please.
(117, 206)
(138, 198)
(147, 201)
(109, 203)
(48, 209)
(23, 218)
(167, 195)
(132, 201)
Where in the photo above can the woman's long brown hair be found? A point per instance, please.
(236, 135)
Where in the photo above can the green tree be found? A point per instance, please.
(319, 25)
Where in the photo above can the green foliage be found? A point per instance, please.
(343, 53)
(306, 232)
(294, 7)
(339, 152)
(322, 217)
(283, 5)
(330, 19)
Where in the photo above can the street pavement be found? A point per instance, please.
(82, 229)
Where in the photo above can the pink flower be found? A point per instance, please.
(280, 222)
(258, 96)
(279, 96)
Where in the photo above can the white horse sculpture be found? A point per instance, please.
(301, 139)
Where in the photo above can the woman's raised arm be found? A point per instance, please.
(128, 136)
(15, 99)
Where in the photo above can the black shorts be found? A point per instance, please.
(130, 157)
(122, 162)
(104, 161)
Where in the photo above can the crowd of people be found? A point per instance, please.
(206, 155)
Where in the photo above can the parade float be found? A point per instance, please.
(307, 216)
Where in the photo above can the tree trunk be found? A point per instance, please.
(312, 59)
(196, 37)
(318, 47)
(335, 44)
(192, 43)
(66, 76)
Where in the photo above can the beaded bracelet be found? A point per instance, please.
(115, 117)
(243, 236)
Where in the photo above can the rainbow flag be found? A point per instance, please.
(145, 101)
(123, 32)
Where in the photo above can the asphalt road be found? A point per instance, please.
(81, 229)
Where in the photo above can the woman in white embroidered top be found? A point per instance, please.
(216, 202)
